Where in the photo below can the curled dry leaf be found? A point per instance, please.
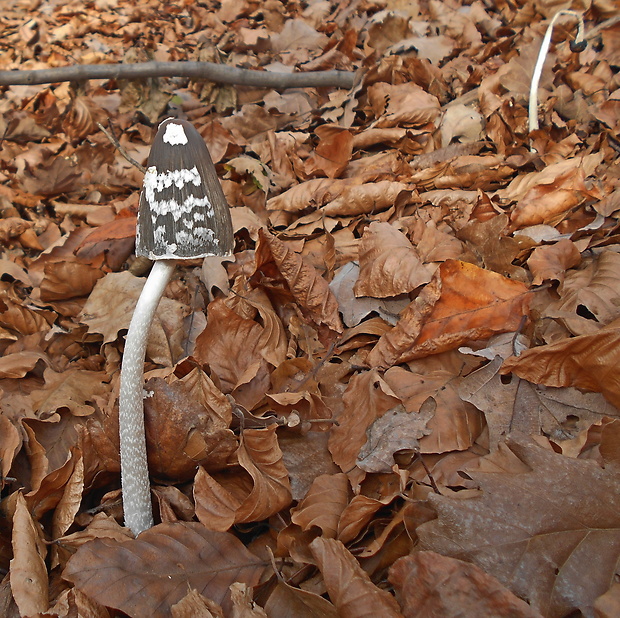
(29, 582)
(402, 104)
(144, 577)
(323, 504)
(428, 585)
(550, 535)
(64, 280)
(232, 347)
(333, 152)
(194, 605)
(348, 585)
(311, 291)
(551, 262)
(179, 416)
(397, 430)
(367, 398)
(286, 601)
(389, 264)
(462, 303)
(589, 362)
(590, 296)
(367, 198)
(432, 398)
(222, 500)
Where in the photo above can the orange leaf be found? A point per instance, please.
(473, 304)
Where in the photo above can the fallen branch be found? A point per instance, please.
(219, 73)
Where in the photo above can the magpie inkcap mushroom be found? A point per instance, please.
(183, 214)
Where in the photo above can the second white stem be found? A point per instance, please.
(134, 467)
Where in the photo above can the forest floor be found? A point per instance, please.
(400, 396)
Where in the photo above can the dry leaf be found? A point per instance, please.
(146, 576)
(349, 587)
(389, 264)
(549, 535)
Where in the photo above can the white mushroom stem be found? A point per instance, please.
(134, 468)
(542, 56)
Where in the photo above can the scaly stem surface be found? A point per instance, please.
(134, 468)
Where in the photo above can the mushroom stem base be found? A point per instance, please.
(134, 467)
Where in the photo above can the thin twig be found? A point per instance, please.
(118, 146)
(219, 73)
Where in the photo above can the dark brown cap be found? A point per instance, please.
(183, 213)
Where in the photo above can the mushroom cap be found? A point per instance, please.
(183, 213)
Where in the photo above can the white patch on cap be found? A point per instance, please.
(155, 183)
(174, 134)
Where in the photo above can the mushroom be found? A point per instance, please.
(183, 214)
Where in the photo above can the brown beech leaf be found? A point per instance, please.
(232, 347)
(348, 585)
(65, 280)
(473, 304)
(590, 296)
(544, 202)
(397, 430)
(311, 291)
(429, 394)
(108, 318)
(144, 577)
(310, 194)
(550, 535)
(551, 262)
(17, 365)
(29, 580)
(358, 199)
(323, 504)
(260, 455)
(72, 389)
(366, 398)
(216, 507)
(194, 605)
(222, 500)
(286, 601)
(333, 152)
(178, 418)
(402, 104)
(389, 264)
(428, 585)
(588, 362)
(10, 444)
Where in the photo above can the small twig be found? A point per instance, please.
(418, 456)
(118, 146)
(219, 73)
(577, 45)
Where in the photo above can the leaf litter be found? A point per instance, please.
(400, 398)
